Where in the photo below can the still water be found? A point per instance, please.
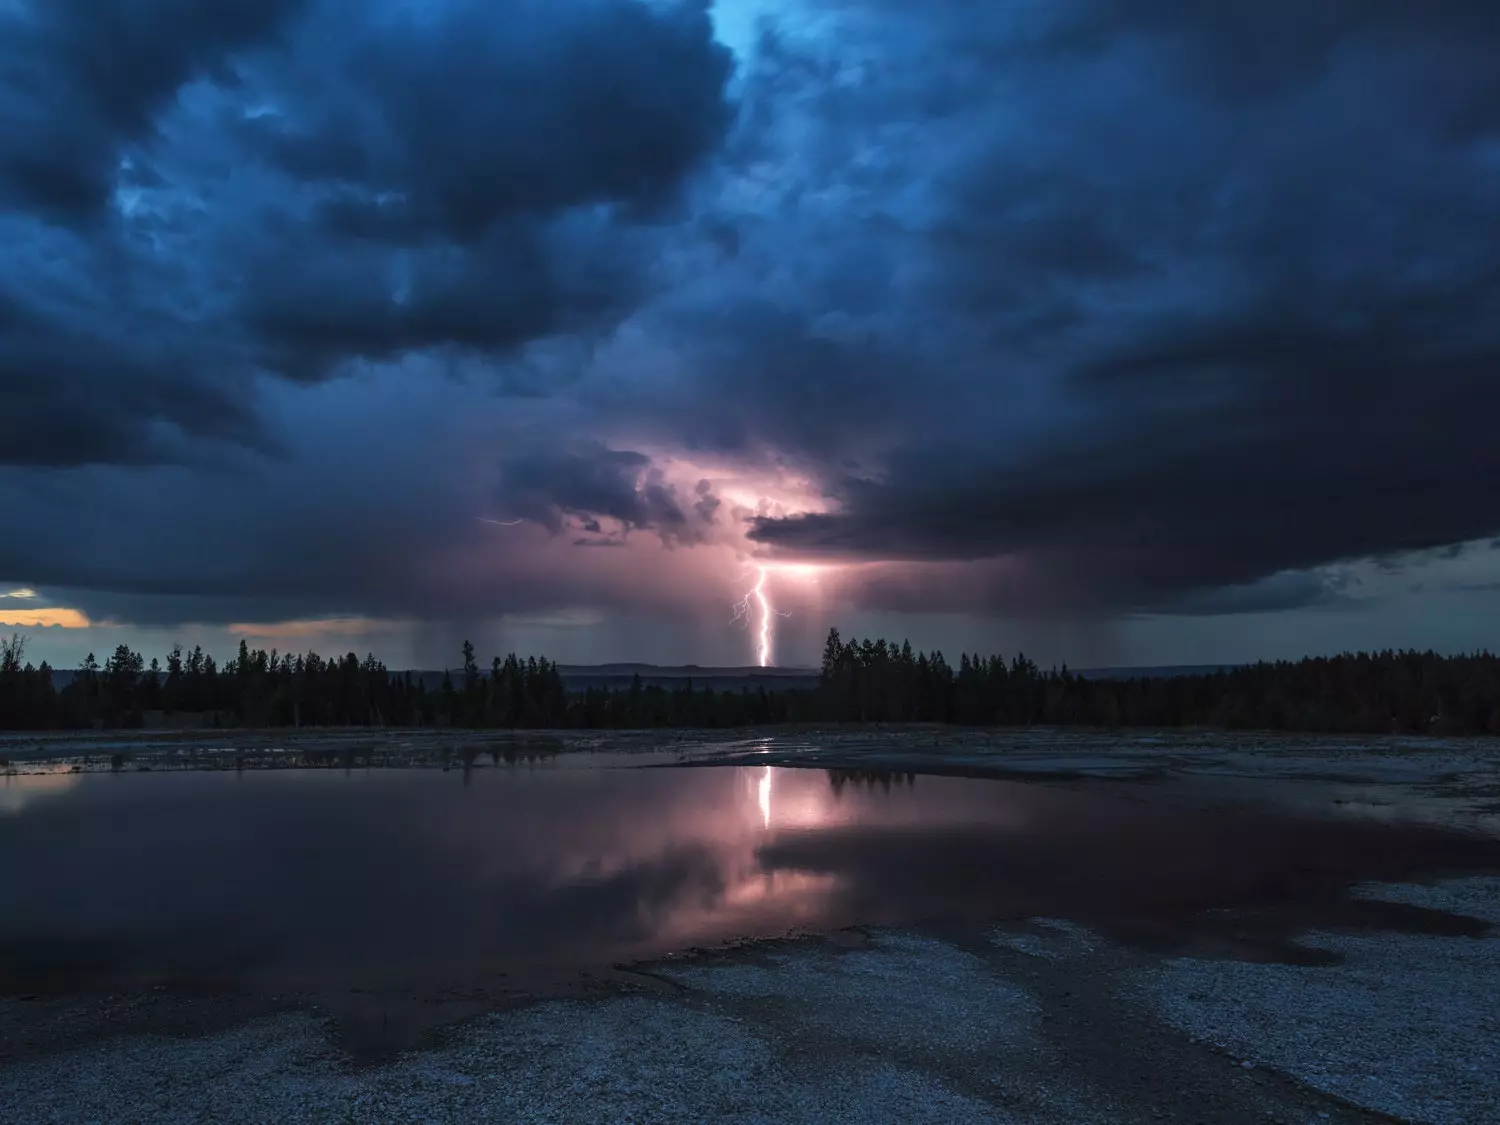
(139, 877)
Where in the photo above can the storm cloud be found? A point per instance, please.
(83, 82)
(590, 482)
(1245, 334)
(1075, 310)
(206, 196)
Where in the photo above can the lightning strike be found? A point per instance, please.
(499, 523)
(755, 607)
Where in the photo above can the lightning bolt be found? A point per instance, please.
(498, 523)
(755, 609)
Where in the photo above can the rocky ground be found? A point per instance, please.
(1040, 1021)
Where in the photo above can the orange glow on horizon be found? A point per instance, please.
(55, 617)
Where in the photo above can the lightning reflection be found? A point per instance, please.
(763, 793)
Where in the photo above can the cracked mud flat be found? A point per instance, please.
(1368, 1007)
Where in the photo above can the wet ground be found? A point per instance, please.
(577, 938)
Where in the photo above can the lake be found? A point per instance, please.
(448, 880)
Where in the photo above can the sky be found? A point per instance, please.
(1114, 331)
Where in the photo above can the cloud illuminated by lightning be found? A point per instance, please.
(755, 607)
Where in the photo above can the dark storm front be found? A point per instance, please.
(277, 878)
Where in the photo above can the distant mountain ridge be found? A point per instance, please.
(680, 671)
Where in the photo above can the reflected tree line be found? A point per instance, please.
(839, 780)
(864, 681)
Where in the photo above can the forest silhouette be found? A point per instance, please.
(868, 681)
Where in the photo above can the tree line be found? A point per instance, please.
(269, 689)
(1355, 693)
(869, 681)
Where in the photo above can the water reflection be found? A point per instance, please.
(763, 795)
(19, 790)
(275, 874)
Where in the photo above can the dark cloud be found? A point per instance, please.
(1217, 345)
(453, 120)
(328, 529)
(80, 80)
(1097, 307)
(590, 482)
(1294, 436)
(756, 373)
(1247, 51)
(707, 505)
(77, 388)
(312, 307)
(1276, 593)
(93, 368)
(292, 187)
(1058, 584)
(447, 149)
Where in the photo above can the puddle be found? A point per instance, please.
(466, 886)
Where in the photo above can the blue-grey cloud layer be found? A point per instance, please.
(1149, 300)
(207, 194)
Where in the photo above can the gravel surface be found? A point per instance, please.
(1405, 1025)
(1051, 939)
(886, 1027)
(814, 1036)
(910, 993)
